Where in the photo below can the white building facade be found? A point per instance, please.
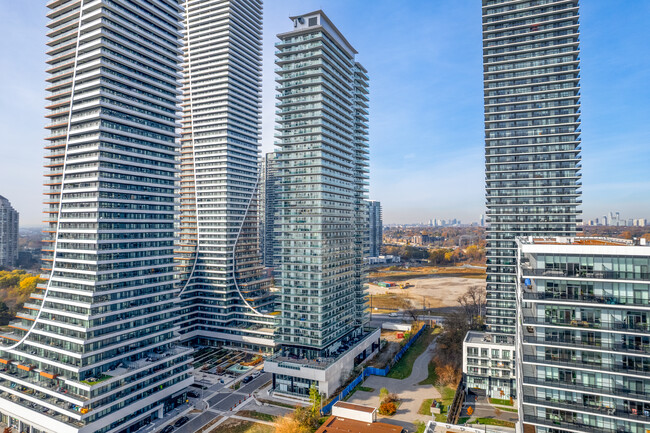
(96, 349)
(488, 366)
(583, 348)
(225, 294)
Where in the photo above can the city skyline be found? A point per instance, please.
(445, 63)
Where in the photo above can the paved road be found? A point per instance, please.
(221, 402)
(224, 401)
(400, 317)
(197, 422)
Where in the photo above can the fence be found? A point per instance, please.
(370, 371)
(457, 404)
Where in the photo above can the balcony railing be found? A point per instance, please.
(602, 275)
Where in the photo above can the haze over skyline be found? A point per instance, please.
(426, 103)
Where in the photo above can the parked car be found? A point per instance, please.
(392, 314)
(193, 394)
(256, 375)
(167, 429)
(247, 379)
(181, 421)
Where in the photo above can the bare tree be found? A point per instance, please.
(473, 302)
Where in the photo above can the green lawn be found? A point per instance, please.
(425, 407)
(277, 403)
(101, 379)
(404, 366)
(359, 387)
(500, 401)
(432, 378)
(239, 426)
(463, 420)
(508, 409)
(492, 421)
(256, 415)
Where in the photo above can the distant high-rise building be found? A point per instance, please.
(375, 232)
(532, 143)
(268, 210)
(224, 291)
(95, 349)
(8, 233)
(322, 222)
(584, 335)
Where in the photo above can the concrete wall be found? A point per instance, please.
(396, 326)
(357, 415)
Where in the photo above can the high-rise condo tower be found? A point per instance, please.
(8, 233)
(95, 349)
(225, 295)
(531, 71)
(322, 220)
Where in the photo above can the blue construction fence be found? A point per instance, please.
(370, 371)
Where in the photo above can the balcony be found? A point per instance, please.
(620, 411)
(601, 275)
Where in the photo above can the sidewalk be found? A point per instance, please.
(411, 393)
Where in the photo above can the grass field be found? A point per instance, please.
(404, 366)
(432, 378)
(500, 402)
(240, 426)
(425, 407)
(492, 421)
(256, 415)
(400, 273)
(509, 409)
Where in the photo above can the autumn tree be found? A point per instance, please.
(289, 424)
(473, 302)
(315, 399)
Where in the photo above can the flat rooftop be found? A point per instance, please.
(477, 337)
(336, 424)
(352, 406)
(580, 240)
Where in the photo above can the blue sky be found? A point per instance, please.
(426, 128)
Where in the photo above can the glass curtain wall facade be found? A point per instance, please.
(323, 181)
(532, 136)
(375, 231)
(8, 233)
(225, 295)
(268, 211)
(584, 336)
(96, 348)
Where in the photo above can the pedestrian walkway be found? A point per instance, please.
(411, 394)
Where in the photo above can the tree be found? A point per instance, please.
(315, 399)
(387, 408)
(289, 424)
(447, 375)
(383, 393)
(626, 234)
(473, 302)
(306, 418)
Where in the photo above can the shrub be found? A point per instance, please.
(447, 375)
(387, 408)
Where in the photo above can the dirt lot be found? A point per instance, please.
(438, 287)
